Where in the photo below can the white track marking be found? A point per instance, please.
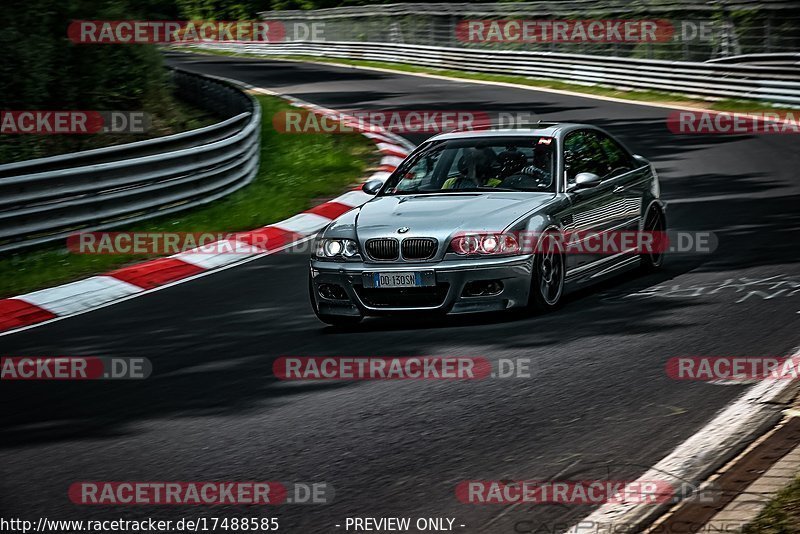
(303, 223)
(393, 161)
(392, 147)
(206, 258)
(142, 292)
(381, 175)
(81, 295)
(353, 198)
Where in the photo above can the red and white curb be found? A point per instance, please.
(45, 305)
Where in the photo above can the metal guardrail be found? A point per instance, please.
(777, 84)
(772, 60)
(48, 199)
(535, 7)
(702, 30)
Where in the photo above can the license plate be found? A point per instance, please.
(399, 279)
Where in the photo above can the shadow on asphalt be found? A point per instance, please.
(216, 357)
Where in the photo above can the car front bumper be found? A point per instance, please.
(447, 296)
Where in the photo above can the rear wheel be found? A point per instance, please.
(333, 320)
(547, 280)
(654, 222)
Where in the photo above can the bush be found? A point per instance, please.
(42, 69)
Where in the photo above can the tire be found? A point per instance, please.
(548, 276)
(654, 221)
(333, 320)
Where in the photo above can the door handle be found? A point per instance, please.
(618, 189)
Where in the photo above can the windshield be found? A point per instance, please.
(477, 164)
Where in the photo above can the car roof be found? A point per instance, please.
(543, 129)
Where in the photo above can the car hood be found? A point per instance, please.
(442, 215)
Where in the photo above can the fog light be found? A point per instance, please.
(332, 292)
(483, 288)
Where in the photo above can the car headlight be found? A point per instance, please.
(485, 244)
(337, 248)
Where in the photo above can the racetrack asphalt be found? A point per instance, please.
(598, 403)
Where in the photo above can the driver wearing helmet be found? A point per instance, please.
(474, 168)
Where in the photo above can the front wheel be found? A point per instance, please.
(547, 280)
(333, 320)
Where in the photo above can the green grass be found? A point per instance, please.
(781, 515)
(635, 95)
(295, 170)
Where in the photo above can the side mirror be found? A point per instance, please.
(585, 180)
(371, 187)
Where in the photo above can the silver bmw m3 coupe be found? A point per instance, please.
(489, 220)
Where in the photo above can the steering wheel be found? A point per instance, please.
(532, 178)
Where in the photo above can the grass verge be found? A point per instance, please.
(656, 97)
(295, 170)
(781, 515)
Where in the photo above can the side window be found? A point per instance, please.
(583, 153)
(619, 161)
